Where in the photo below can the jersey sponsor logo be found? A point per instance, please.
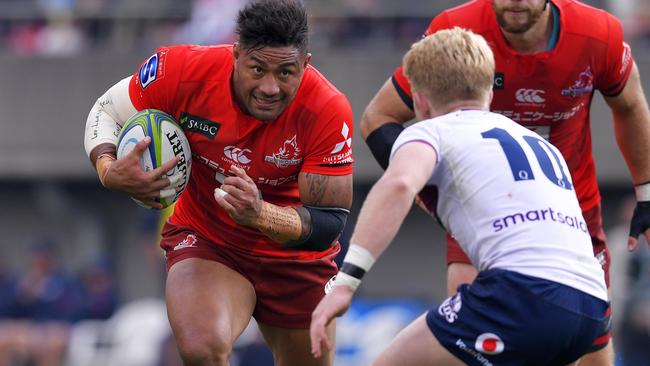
(237, 154)
(152, 69)
(547, 214)
(489, 343)
(188, 242)
(472, 352)
(583, 84)
(345, 131)
(499, 81)
(530, 96)
(199, 125)
(450, 308)
(276, 181)
(540, 117)
(288, 154)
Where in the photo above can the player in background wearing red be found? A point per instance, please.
(550, 57)
(256, 231)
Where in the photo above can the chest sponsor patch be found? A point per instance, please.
(199, 125)
(287, 155)
(584, 83)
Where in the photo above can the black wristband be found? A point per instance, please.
(381, 140)
(353, 270)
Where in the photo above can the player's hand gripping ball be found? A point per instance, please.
(167, 142)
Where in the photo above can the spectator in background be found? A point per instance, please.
(45, 301)
(630, 295)
(98, 290)
(211, 22)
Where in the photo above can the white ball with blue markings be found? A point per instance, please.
(167, 142)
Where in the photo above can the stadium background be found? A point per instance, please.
(58, 56)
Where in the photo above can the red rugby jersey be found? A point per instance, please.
(313, 134)
(551, 92)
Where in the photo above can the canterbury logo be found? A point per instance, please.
(530, 96)
(346, 140)
(237, 154)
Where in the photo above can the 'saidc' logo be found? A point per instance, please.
(199, 125)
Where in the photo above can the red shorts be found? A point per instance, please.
(594, 220)
(287, 290)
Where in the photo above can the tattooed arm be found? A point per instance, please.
(292, 226)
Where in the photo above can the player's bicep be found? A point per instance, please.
(107, 116)
(325, 190)
(386, 106)
(413, 164)
(631, 94)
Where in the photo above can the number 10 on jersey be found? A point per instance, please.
(518, 160)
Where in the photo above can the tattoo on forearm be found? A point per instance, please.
(282, 224)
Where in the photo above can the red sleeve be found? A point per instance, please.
(400, 82)
(329, 148)
(157, 79)
(618, 63)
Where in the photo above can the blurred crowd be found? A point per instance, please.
(40, 303)
(69, 27)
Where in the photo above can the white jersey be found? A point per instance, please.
(506, 195)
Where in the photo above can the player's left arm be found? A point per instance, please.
(632, 128)
(314, 226)
(381, 216)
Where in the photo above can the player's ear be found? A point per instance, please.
(235, 50)
(307, 59)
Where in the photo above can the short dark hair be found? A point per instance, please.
(275, 23)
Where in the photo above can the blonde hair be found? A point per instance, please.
(450, 65)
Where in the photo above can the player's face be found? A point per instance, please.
(518, 16)
(265, 80)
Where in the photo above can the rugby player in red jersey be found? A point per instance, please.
(256, 231)
(550, 58)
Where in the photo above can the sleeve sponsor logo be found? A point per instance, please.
(152, 69)
(199, 125)
(341, 154)
(345, 131)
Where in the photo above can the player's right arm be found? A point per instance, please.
(103, 125)
(391, 107)
(382, 121)
(382, 214)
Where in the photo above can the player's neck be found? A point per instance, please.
(457, 106)
(535, 39)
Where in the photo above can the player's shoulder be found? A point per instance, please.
(316, 92)
(200, 62)
(584, 20)
(476, 15)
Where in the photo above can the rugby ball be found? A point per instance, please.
(167, 142)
